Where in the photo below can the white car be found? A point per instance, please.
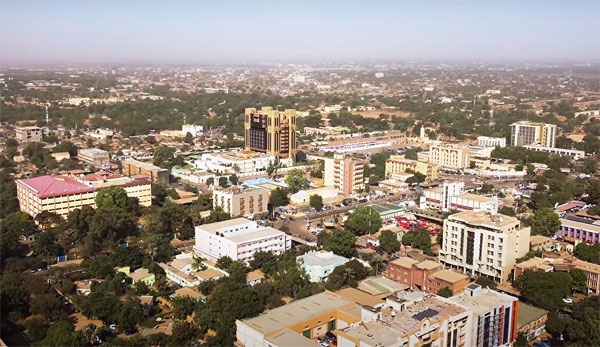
(568, 301)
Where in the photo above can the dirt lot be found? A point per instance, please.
(376, 113)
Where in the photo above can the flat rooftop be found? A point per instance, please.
(143, 165)
(296, 312)
(287, 337)
(214, 227)
(528, 314)
(486, 301)
(321, 258)
(486, 219)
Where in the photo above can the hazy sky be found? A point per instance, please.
(252, 31)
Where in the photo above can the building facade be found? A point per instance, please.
(397, 164)
(574, 154)
(157, 175)
(486, 141)
(241, 163)
(238, 239)
(450, 196)
(483, 244)
(427, 275)
(585, 230)
(494, 315)
(525, 133)
(271, 131)
(449, 156)
(62, 194)
(318, 265)
(96, 157)
(241, 201)
(344, 173)
(28, 134)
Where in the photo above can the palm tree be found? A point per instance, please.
(199, 264)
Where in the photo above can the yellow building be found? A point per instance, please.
(62, 194)
(344, 173)
(449, 156)
(397, 164)
(271, 131)
(242, 201)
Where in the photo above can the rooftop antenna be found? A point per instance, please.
(47, 122)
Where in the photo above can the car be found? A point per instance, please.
(568, 301)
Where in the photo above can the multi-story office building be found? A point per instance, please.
(133, 167)
(494, 315)
(28, 134)
(244, 163)
(579, 228)
(431, 321)
(271, 131)
(449, 156)
(299, 322)
(397, 164)
(241, 201)
(451, 196)
(563, 152)
(344, 173)
(427, 275)
(486, 141)
(525, 133)
(238, 239)
(483, 244)
(62, 194)
(96, 157)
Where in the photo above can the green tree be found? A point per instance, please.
(48, 220)
(342, 243)
(159, 192)
(224, 262)
(521, 340)
(210, 181)
(279, 197)
(66, 146)
(296, 181)
(222, 181)
(418, 238)
(234, 179)
(544, 289)
(316, 202)
(217, 215)
(63, 334)
(45, 244)
(20, 223)
(579, 283)
(388, 242)
(131, 313)
(364, 220)
(189, 138)
(594, 210)
(111, 197)
(157, 247)
(300, 157)
(545, 222)
(8, 194)
(555, 325)
(590, 253)
(266, 261)
(417, 178)
(485, 282)
(163, 157)
(445, 292)
(36, 328)
(347, 274)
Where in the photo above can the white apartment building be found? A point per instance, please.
(483, 244)
(238, 239)
(195, 130)
(242, 201)
(494, 315)
(449, 156)
(240, 163)
(451, 196)
(525, 133)
(344, 173)
(486, 141)
(564, 152)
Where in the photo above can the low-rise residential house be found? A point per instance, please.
(320, 264)
(531, 320)
(426, 275)
(142, 275)
(254, 277)
(190, 292)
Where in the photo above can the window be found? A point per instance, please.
(306, 333)
(331, 325)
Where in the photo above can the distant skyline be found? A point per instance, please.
(230, 32)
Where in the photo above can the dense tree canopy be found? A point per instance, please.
(111, 197)
(364, 220)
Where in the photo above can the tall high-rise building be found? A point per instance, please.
(271, 131)
(344, 173)
(525, 133)
(483, 244)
